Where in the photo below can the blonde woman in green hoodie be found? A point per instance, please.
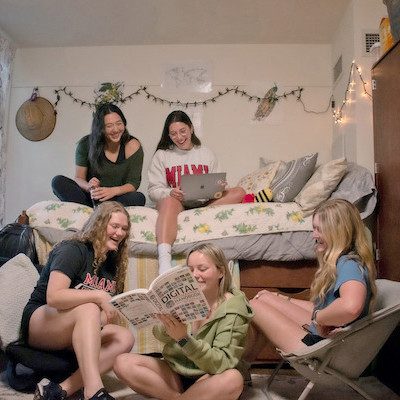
(200, 360)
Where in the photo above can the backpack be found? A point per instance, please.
(17, 238)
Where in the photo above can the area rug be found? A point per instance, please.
(284, 387)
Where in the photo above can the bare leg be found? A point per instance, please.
(255, 343)
(154, 378)
(149, 376)
(167, 221)
(230, 196)
(79, 328)
(279, 328)
(225, 386)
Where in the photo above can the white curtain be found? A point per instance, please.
(7, 53)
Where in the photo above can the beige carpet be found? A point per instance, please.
(285, 387)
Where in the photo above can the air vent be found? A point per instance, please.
(369, 40)
(337, 69)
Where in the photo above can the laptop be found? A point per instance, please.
(203, 186)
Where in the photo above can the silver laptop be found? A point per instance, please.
(203, 186)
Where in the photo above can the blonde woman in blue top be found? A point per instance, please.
(343, 289)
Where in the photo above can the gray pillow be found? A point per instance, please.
(290, 179)
(358, 187)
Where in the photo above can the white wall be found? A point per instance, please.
(227, 126)
(354, 137)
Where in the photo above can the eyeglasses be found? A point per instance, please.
(183, 132)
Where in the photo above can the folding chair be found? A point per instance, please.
(348, 353)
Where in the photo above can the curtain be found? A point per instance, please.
(7, 53)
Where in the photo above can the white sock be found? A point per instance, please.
(164, 257)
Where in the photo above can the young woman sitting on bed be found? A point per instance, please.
(179, 152)
(108, 164)
(343, 289)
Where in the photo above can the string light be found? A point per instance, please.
(150, 96)
(338, 114)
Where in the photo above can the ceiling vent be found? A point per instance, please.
(369, 39)
(337, 69)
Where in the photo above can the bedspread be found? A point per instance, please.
(55, 219)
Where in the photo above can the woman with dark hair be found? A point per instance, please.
(70, 309)
(108, 164)
(178, 153)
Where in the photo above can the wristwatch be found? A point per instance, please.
(314, 316)
(183, 341)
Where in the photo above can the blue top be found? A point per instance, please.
(348, 269)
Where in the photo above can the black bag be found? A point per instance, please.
(16, 238)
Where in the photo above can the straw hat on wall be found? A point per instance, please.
(36, 118)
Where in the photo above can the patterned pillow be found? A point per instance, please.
(321, 185)
(259, 179)
(18, 278)
(291, 178)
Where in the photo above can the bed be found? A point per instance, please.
(270, 243)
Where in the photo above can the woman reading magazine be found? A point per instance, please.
(201, 359)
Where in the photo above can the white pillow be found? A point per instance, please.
(18, 278)
(321, 185)
(259, 179)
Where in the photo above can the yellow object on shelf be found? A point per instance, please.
(385, 35)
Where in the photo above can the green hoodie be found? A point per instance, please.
(217, 346)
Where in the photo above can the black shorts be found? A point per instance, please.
(29, 309)
(311, 339)
(188, 381)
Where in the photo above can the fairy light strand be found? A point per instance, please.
(338, 114)
(156, 99)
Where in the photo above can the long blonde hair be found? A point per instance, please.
(95, 231)
(217, 256)
(344, 234)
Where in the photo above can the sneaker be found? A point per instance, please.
(46, 390)
(101, 394)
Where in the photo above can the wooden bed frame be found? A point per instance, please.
(292, 278)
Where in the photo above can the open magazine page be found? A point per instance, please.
(136, 307)
(177, 292)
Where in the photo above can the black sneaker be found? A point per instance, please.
(101, 394)
(46, 390)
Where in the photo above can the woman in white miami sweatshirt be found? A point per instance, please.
(178, 153)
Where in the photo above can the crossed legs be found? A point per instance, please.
(79, 329)
(153, 377)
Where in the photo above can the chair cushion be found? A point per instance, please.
(18, 278)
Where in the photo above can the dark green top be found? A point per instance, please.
(113, 173)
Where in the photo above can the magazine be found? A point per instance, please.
(175, 292)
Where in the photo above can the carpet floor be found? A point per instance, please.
(284, 387)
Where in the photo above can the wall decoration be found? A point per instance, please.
(108, 92)
(189, 76)
(267, 103)
(36, 118)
